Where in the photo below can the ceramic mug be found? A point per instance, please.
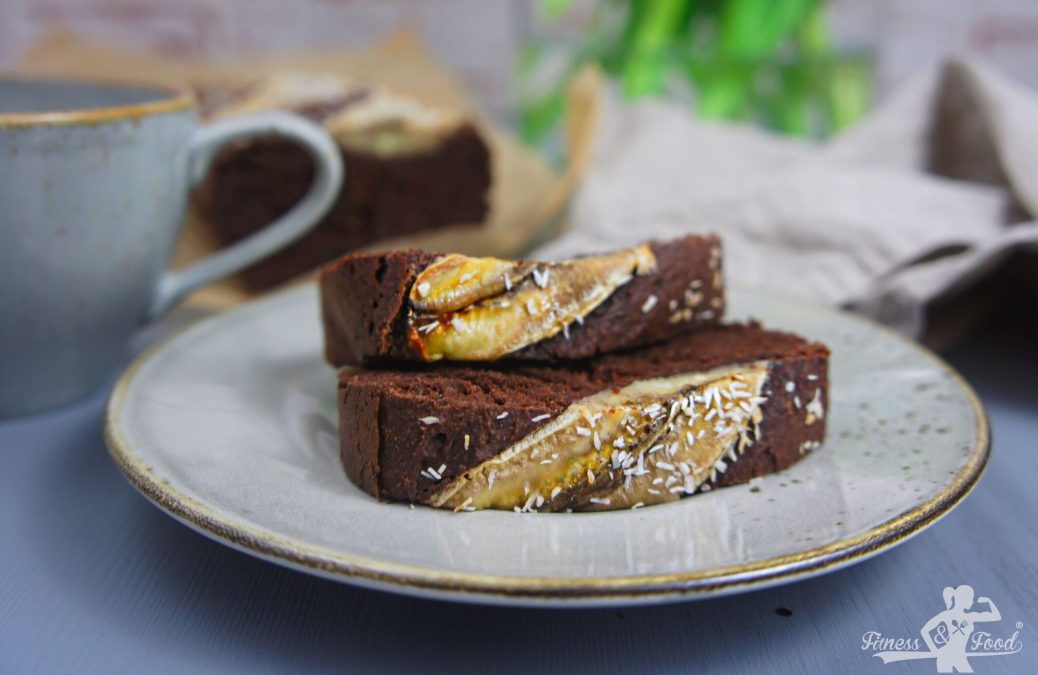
(94, 183)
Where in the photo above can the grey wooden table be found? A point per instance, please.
(95, 579)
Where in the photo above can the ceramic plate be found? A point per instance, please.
(231, 428)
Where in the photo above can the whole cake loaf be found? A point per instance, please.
(410, 167)
(713, 408)
(419, 306)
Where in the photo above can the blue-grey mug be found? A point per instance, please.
(94, 184)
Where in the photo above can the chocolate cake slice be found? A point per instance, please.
(713, 408)
(410, 167)
(418, 306)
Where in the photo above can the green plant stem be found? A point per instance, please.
(655, 23)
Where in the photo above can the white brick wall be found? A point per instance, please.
(480, 39)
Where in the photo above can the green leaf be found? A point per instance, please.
(849, 94)
(754, 29)
(658, 22)
(538, 118)
(553, 9)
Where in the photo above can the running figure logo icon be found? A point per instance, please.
(951, 637)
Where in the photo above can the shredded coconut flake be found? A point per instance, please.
(529, 502)
(429, 420)
(815, 406)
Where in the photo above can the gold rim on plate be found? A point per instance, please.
(416, 579)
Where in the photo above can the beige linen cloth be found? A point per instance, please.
(910, 207)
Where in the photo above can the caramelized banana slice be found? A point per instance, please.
(483, 309)
(647, 443)
(563, 455)
(694, 450)
(454, 282)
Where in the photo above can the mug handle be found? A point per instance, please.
(204, 145)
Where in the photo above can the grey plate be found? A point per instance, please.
(231, 428)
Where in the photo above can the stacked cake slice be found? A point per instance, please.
(412, 167)
(595, 383)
